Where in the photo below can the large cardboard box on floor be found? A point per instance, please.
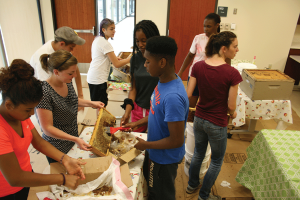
(93, 168)
(260, 84)
(234, 159)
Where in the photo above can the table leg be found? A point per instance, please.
(251, 128)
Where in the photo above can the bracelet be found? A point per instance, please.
(62, 158)
(127, 101)
(64, 181)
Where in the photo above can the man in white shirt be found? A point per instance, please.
(64, 38)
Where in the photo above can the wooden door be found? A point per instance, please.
(185, 22)
(78, 15)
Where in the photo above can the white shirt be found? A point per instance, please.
(39, 72)
(100, 65)
(198, 48)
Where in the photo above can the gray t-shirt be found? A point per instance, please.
(144, 83)
(64, 110)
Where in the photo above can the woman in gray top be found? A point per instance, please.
(57, 111)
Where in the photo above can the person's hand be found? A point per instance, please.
(83, 145)
(97, 104)
(141, 145)
(71, 181)
(125, 119)
(73, 166)
(234, 115)
(132, 125)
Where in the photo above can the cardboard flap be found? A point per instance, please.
(93, 168)
(90, 117)
(57, 168)
(130, 155)
(125, 175)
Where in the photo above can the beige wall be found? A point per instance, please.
(155, 10)
(20, 26)
(265, 29)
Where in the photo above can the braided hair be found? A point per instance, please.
(216, 41)
(149, 29)
(18, 84)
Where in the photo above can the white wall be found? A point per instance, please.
(265, 29)
(47, 19)
(155, 10)
(19, 21)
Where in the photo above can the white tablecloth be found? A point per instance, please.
(139, 189)
(261, 109)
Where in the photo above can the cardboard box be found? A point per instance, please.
(234, 159)
(93, 168)
(260, 84)
(123, 73)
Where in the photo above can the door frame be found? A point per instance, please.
(54, 16)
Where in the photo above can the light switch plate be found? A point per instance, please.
(227, 26)
(232, 26)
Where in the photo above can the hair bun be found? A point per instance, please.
(21, 69)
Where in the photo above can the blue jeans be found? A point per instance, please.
(205, 132)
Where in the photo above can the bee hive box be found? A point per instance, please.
(260, 84)
(100, 141)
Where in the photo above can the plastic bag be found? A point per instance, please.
(111, 177)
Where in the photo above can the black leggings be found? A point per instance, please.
(160, 179)
(21, 195)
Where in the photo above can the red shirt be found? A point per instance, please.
(10, 141)
(214, 83)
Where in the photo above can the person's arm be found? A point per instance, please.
(16, 177)
(232, 100)
(190, 89)
(115, 61)
(78, 84)
(128, 109)
(46, 121)
(188, 59)
(175, 140)
(72, 165)
(88, 103)
(137, 124)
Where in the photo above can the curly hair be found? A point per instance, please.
(216, 41)
(18, 84)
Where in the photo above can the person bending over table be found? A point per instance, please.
(218, 85)
(102, 55)
(142, 84)
(57, 111)
(166, 121)
(21, 92)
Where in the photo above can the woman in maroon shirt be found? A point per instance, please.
(218, 85)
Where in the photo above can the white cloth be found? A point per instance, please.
(39, 72)
(198, 48)
(100, 65)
